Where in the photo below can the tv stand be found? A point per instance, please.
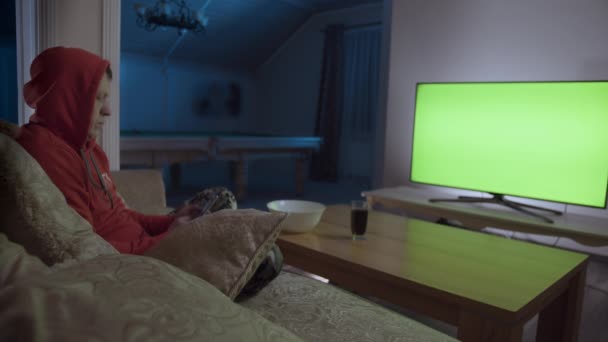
(414, 201)
(500, 199)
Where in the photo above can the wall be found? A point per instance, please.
(78, 24)
(289, 82)
(93, 25)
(153, 99)
(478, 40)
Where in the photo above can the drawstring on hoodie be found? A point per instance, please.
(101, 181)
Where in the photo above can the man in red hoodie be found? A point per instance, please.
(69, 91)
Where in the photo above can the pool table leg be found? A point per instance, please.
(176, 175)
(300, 174)
(240, 178)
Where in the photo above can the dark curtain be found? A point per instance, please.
(324, 164)
(360, 108)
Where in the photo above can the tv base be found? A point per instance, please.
(500, 199)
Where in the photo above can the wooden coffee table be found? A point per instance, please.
(487, 286)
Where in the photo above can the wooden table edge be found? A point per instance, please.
(552, 292)
(324, 265)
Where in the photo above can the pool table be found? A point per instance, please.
(161, 148)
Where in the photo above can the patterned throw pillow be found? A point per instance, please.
(224, 248)
(127, 298)
(16, 263)
(35, 214)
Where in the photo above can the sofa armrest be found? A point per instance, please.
(142, 190)
(9, 128)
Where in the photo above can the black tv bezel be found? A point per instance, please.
(485, 191)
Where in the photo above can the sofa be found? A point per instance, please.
(59, 281)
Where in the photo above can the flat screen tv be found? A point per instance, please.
(539, 140)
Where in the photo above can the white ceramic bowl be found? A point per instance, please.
(302, 216)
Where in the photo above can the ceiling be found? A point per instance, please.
(241, 34)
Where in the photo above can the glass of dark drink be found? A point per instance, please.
(358, 219)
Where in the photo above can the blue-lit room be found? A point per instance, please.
(254, 70)
(304, 170)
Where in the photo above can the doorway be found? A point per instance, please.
(8, 63)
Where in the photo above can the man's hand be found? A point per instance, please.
(185, 214)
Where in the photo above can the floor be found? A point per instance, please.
(594, 323)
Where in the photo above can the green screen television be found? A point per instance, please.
(538, 140)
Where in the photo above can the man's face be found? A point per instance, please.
(101, 109)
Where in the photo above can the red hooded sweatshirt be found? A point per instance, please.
(62, 91)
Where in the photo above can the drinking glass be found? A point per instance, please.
(358, 219)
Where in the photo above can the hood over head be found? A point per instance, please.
(62, 90)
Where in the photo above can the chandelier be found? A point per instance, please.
(171, 13)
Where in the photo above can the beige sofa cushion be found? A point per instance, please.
(35, 214)
(224, 248)
(142, 190)
(316, 311)
(9, 128)
(126, 298)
